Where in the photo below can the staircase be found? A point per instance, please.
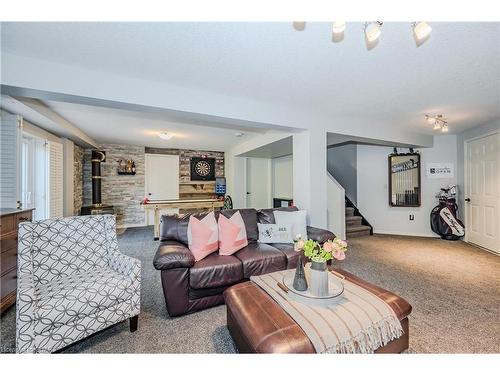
(354, 226)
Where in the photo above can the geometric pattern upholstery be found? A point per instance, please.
(72, 282)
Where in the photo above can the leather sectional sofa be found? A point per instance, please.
(190, 286)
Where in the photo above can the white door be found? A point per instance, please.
(258, 183)
(483, 192)
(162, 181)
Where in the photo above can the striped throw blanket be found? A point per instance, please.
(355, 322)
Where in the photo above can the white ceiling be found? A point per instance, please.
(457, 72)
(109, 125)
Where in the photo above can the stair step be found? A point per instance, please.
(349, 211)
(353, 220)
(358, 231)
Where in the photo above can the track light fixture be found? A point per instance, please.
(338, 29)
(372, 31)
(372, 34)
(438, 122)
(421, 32)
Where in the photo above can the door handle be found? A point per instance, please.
(248, 193)
(467, 199)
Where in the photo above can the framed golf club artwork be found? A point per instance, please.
(404, 180)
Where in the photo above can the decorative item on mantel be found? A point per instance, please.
(126, 167)
(319, 255)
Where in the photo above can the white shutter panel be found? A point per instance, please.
(9, 159)
(55, 179)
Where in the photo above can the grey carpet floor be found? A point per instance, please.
(453, 288)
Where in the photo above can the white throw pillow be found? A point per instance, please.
(297, 220)
(274, 233)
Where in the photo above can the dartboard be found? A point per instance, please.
(202, 168)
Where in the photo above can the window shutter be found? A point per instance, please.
(55, 179)
(10, 126)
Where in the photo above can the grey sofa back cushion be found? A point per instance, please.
(62, 247)
(266, 216)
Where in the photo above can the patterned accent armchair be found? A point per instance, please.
(72, 282)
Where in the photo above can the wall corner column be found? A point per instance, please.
(309, 175)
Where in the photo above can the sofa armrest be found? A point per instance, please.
(319, 235)
(172, 254)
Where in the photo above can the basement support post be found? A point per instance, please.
(309, 175)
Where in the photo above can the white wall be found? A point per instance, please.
(282, 177)
(68, 177)
(373, 201)
(309, 175)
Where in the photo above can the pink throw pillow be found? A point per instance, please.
(232, 234)
(203, 236)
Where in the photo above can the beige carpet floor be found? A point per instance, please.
(453, 288)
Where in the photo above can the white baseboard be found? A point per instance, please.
(413, 234)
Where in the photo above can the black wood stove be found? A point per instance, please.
(97, 208)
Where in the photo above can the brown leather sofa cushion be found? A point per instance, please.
(260, 258)
(214, 271)
(319, 235)
(266, 215)
(292, 256)
(174, 227)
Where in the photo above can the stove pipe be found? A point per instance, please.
(97, 158)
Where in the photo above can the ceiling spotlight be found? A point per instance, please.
(299, 26)
(372, 34)
(437, 126)
(444, 128)
(165, 136)
(239, 134)
(421, 32)
(338, 29)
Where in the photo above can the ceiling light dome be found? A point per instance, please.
(165, 136)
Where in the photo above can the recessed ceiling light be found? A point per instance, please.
(165, 136)
(421, 32)
(239, 134)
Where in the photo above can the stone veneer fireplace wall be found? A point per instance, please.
(125, 192)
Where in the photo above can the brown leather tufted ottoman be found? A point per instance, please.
(258, 324)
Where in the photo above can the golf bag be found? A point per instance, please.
(444, 219)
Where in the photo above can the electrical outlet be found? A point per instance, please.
(412, 217)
